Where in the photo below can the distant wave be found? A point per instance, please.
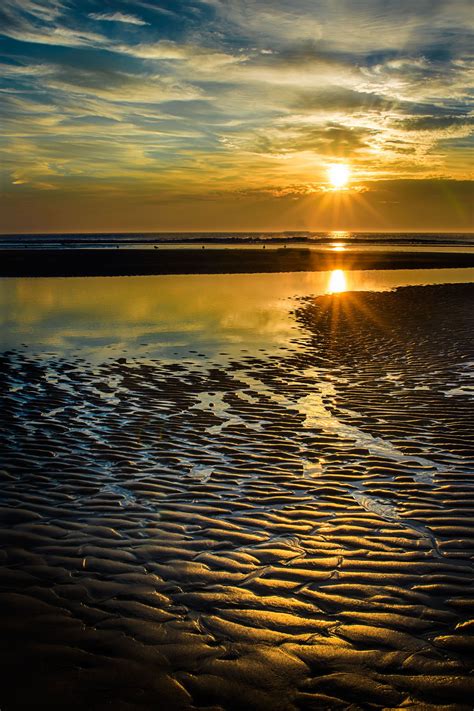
(146, 238)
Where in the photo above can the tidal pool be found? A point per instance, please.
(169, 316)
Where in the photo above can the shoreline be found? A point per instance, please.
(96, 262)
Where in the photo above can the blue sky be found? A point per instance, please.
(168, 103)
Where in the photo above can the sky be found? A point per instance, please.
(227, 115)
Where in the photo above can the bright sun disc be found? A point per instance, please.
(338, 175)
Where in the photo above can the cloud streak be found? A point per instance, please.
(117, 17)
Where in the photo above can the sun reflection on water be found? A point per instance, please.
(168, 316)
(337, 282)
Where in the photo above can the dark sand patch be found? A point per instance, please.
(108, 262)
(292, 533)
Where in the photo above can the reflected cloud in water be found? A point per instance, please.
(168, 316)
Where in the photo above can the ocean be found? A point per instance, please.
(297, 238)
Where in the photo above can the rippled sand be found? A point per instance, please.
(289, 532)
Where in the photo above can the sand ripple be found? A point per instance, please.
(278, 533)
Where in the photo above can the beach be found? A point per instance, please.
(236, 356)
(207, 521)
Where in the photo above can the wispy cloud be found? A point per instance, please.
(35, 22)
(117, 17)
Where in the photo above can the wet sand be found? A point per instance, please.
(110, 262)
(291, 532)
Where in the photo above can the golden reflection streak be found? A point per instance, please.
(337, 282)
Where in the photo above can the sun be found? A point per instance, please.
(338, 175)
